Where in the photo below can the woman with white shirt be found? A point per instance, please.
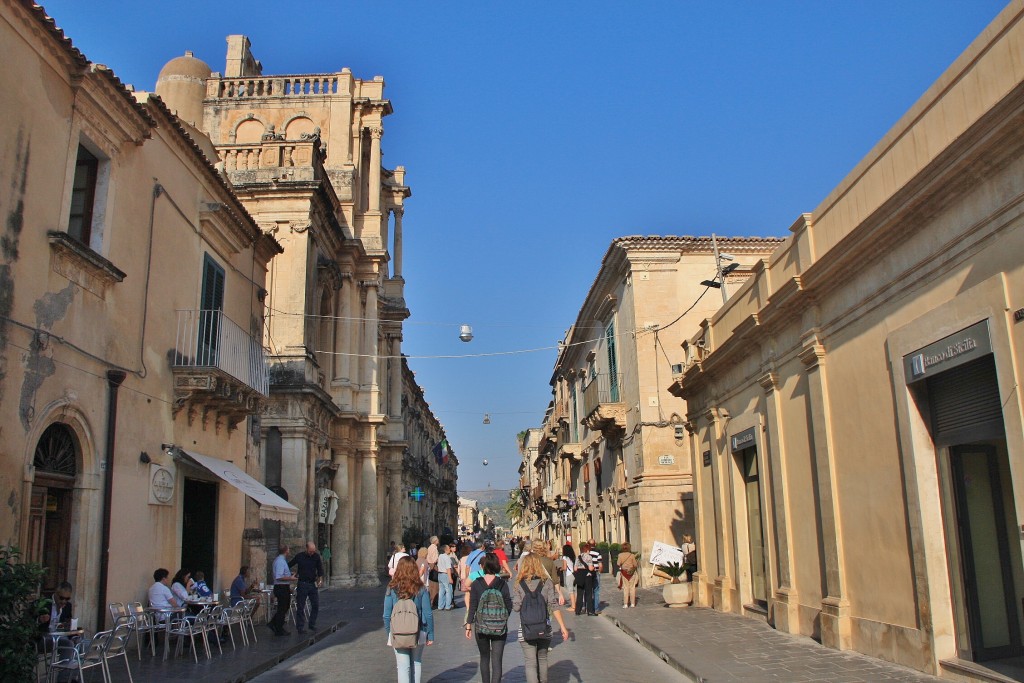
(180, 585)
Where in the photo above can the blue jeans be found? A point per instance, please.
(446, 599)
(409, 658)
(597, 593)
(306, 591)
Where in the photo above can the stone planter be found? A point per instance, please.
(678, 594)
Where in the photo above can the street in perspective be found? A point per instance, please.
(527, 342)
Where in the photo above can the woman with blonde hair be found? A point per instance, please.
(423, 564)
(407, 585)
(535, 597)
(629, 575)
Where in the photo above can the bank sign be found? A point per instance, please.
(945, 354)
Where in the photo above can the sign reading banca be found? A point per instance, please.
(949, 352)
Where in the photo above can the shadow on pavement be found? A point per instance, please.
(563, 672)
(460, 674)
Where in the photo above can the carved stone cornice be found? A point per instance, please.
(813, 352)
(329, 273)
(213, 393)
(609, 419)
(82, 265)
(376, 132)
(769, 382)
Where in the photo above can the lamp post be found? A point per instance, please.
(720, 272)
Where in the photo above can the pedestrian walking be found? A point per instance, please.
(689, 549)
(595, 571)
(446, 594)
(422, 564)
(535, 598)
(629, 575)
(489, 606)
(396, 555)
(408, 619)
(283, 581)
(568, 561)
(584, 572)
(309, 573)
(433, 553)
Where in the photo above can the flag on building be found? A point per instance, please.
(441, 451)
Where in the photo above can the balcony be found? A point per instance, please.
(603, 408)
(219, 369)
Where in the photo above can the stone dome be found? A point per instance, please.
(182, 86)
(188, 66)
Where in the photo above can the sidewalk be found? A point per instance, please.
(338, 606)
(716, 647)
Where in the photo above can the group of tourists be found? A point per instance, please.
(543, 580)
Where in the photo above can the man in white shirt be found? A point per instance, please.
(160, 595)
(446, 598)
(283, 580)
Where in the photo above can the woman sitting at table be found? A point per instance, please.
(180, 585)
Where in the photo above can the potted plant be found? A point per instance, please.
(677, 592)
(20, 606)
(613, 551)
(602, 547)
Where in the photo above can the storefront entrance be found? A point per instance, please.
(747, 459)
(988, 552)
(199, 528)
(50, 513)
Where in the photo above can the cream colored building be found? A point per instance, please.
(857, 437)
(423, 491)
(613, 463)
(132, 283)
(303, 153)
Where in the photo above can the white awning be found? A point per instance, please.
(272, 506)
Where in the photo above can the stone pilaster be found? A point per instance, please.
(835, 607)
(397, 255)
(368, 569)
(341, 532)
(373, 205)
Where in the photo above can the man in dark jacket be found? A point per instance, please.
(310, 572)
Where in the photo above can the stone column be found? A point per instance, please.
(357, 313)
(370, 350)
(373, 205)
(836, 627)
(368, 521)
(396, 377)
(341, 532)
(397, 255)
(786, 603)
(343, 325)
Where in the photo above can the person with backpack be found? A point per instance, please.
(490, 603)
(536, 599)
(408, 619)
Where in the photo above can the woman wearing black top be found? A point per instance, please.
(491, 647)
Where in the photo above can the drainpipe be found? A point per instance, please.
(114, 380)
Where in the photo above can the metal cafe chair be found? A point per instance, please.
(212, 618)
(229, 616)
(117, 609)
(145, 623)
(67, 656)
(116, 645)
(250, 607)
(190, 626)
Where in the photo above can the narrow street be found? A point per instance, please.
(596, 651)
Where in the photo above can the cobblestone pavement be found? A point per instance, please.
(727, 648)
(596, 651)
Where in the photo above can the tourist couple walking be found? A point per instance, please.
(409, 620)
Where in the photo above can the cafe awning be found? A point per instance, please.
(272, 506)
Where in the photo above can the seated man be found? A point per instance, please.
(242, 588)
(160, 595)
(55, 614)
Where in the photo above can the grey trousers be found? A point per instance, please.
(535, 654)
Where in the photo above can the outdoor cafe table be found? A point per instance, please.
(167, 612)
(53, 636)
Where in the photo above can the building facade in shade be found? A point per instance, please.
(854, 412)
(423, 491)
(132, 372)
(303, 153)
(613, 463)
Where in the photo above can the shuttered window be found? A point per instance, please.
(209, 315)
(964, 403)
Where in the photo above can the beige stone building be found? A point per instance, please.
(855, 417)
(132, 286)
(423, 491)
(612, 462)
(303, 153)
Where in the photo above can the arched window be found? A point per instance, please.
(57, 451)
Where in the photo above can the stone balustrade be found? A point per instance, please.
(306, 85)
(270, 154)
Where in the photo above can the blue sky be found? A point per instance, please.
(534, 133)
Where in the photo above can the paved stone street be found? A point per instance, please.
(597, 651)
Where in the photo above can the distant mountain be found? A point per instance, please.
(495, 500)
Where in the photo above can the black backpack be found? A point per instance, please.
(533, 613)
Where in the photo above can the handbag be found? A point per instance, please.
(432, 575)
